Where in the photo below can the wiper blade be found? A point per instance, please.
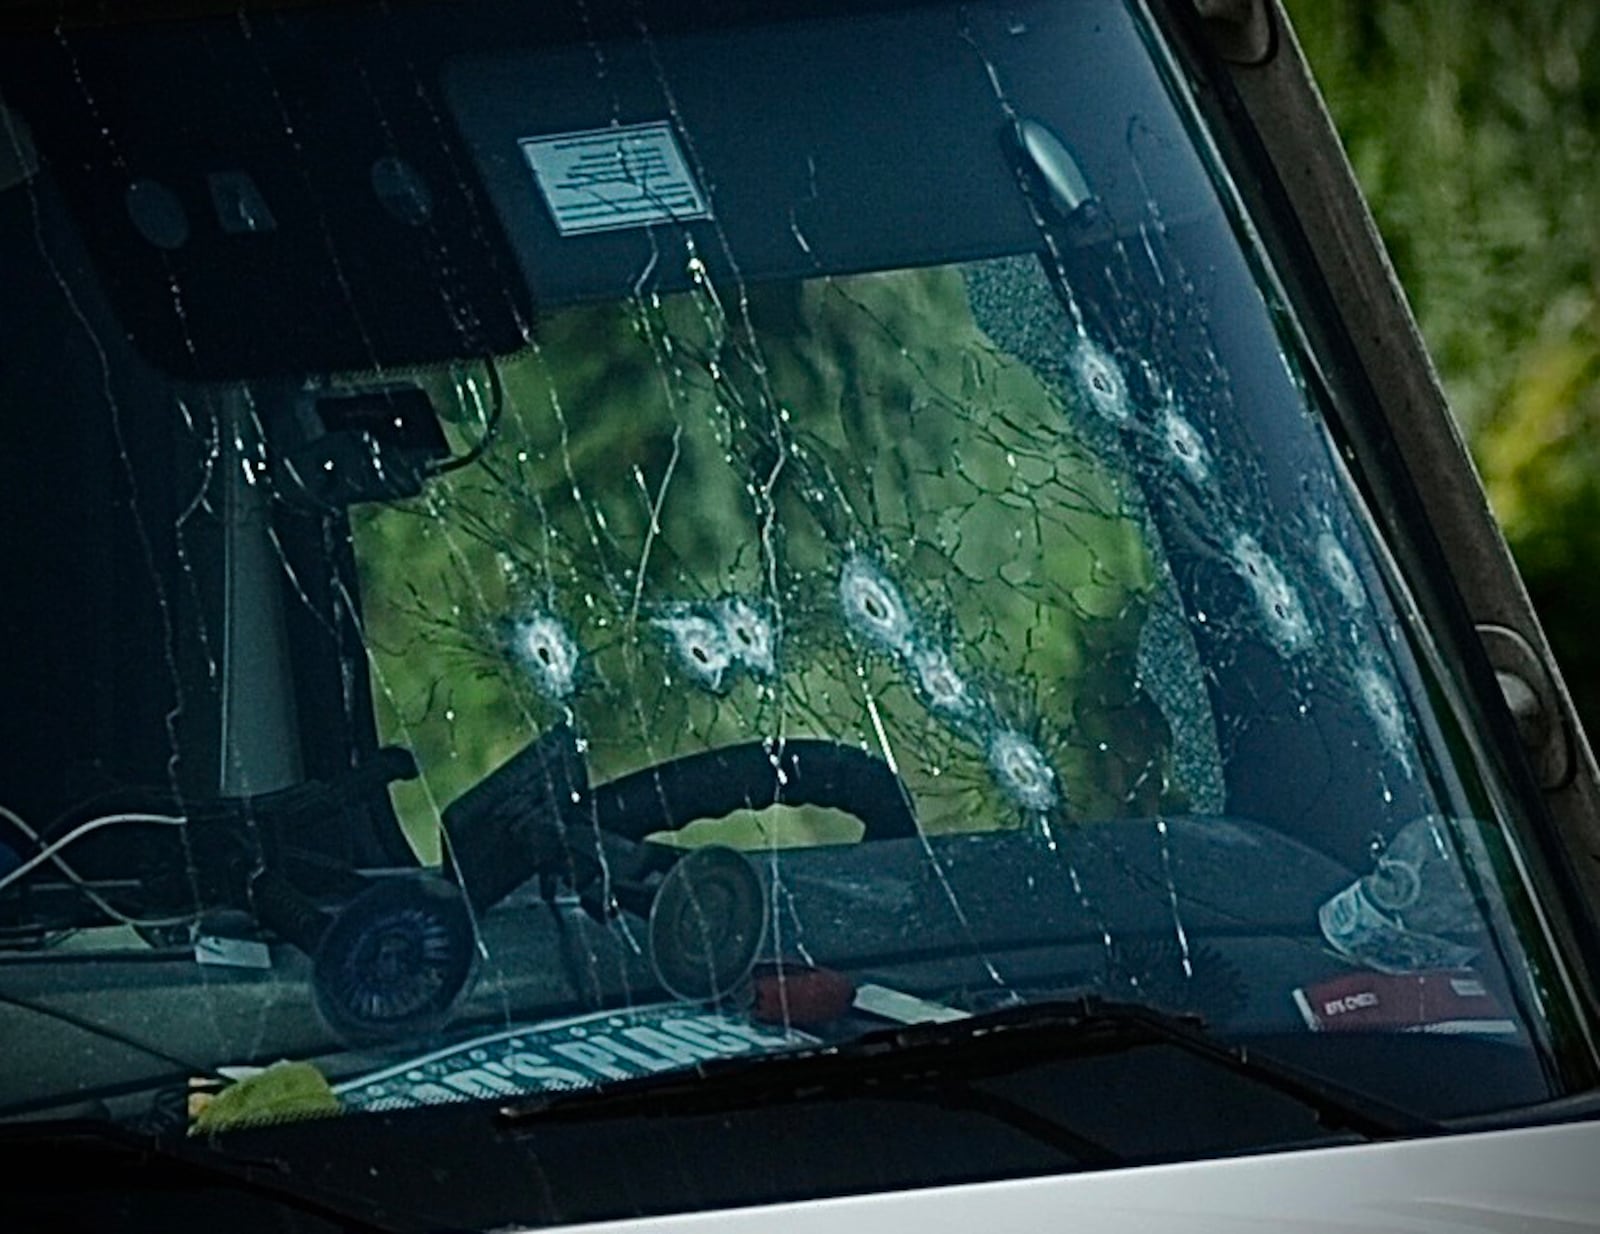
(954, 1053)
(131, 1161)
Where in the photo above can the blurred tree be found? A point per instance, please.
(1472, 125)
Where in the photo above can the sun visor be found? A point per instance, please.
(331, 191)
(266, 201)
(769, 153)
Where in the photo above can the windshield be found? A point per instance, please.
(541, 554)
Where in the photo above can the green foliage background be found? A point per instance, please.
(1473, 126)
(913, 441)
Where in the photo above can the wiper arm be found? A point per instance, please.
(133, 1161)
(951, 1054)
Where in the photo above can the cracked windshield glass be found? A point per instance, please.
(545, 553)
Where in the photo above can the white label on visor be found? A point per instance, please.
(604, 179)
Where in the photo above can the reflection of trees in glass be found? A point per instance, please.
(1473, 127)
(663, 460)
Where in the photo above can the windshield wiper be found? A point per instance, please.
(124, 1161)
(946, 1057)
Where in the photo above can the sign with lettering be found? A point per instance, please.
(566, 1054)
(629, 176)
(1447, 1001)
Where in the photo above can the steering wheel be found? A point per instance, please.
(706, 908)
(803, 771)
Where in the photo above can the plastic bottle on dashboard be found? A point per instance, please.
(1395, 919)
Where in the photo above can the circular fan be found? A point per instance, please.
(396, 960)
(707, 924)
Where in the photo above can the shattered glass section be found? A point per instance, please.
(1015, 304)
(1174, 681)
(928, 562)
(847, 513)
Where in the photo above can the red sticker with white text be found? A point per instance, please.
(1453, 1001)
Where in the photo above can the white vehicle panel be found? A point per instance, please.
(1540, 1180)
